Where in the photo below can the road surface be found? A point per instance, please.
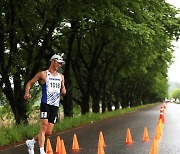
(114, 133)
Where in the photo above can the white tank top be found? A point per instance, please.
(51, 89)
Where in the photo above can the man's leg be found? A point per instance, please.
(49, 129)
(46, 130)
(30, 143)
(41, 135)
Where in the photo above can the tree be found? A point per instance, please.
(176, 93)
(112, 50)
(26, 32)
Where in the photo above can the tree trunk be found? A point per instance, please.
(96, 100)
(17, 104)
(103, 105)
(21, 110)
(85, 103)
(68, 104)
(95, 106)
(116, 104)
(124, 103)
(109, 105)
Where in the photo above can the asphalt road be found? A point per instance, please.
(170, 141)
(114, 133)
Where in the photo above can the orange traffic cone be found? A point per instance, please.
(63, 149)
(101, 140)
(154, 149)
(160, 124)
(161, 116)
(145, 136)
(49, 147)
(128, 137)
(75, 145)
(160, 129)
(100, 150)
(58, 145)
(157, 133)
(164, 106)
(162, 110)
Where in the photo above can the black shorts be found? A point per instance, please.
(49, 112)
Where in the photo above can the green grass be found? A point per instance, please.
(15, 134)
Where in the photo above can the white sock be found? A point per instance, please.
(42, 150)
(33, 141)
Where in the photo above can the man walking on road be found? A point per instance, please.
(53, 86)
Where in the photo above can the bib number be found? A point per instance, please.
(54, 86)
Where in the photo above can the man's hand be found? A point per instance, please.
(63, 91)
(27, 96)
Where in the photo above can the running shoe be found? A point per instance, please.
(30, 146)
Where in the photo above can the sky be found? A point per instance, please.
(174, 70)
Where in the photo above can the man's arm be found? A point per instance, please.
(31, 83)
(63, 88)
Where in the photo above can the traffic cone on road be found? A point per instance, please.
(160, 124)
(161, 116)
(157, 133)
(164, 106)
(154, 148)
(100, 150)
(49, 147)
(160, 129)
(75, 145)
(58, 145)
(145, 136)
(63, 149)
(101, 141)
(162, 109)
(128, 137)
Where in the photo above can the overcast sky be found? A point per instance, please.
(174, 70)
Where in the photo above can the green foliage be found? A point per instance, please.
(14, 134)
(176, 93)
(6, 112)
(116, 51)
(3, 98)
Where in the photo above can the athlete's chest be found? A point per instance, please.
(53, 83)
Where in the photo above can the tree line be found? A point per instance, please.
(116, 52)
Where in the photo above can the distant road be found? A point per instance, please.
(114, 132)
